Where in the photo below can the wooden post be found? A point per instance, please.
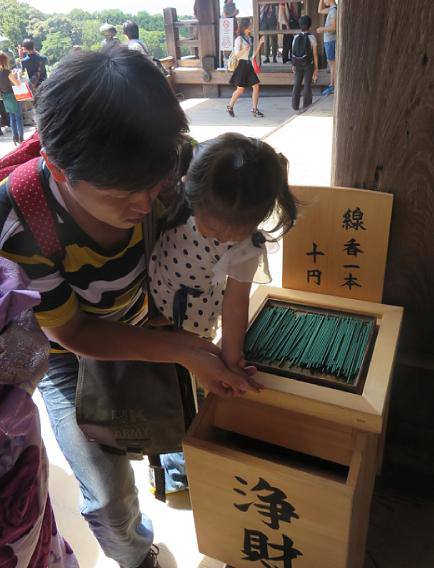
(384, 140)
(208, 17)
(172, 33)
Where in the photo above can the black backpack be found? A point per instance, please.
(302, 55)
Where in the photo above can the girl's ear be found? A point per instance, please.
(56, 172)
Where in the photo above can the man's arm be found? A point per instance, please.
(315, 63)
(106, 340)
(322, 9)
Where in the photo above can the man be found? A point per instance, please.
(268, 22)
(329, 8)
(288, 20)
(111, 130)
(305, 60)
(34, 64)
(109, 32)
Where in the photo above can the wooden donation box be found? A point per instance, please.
(285, 478)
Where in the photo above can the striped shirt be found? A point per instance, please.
(106, 285)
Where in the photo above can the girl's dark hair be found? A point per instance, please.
(110, 118)
(131, 29)
(241, 180)
(243, 25)
(4, 60)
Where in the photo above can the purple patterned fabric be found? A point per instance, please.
(28, 533)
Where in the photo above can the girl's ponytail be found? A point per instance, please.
(286, 203)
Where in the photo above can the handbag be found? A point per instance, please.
(22, 92)
(232, 62)
(133, 407)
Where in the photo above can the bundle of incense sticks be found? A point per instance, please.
(331, 344)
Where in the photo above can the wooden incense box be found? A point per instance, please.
(285, 477)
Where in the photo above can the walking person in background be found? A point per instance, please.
(244, 75)
(12, 106)
(131, 30)
(268, 22)
(305, 63)
(229, 9)
(288, 20)
(34, 64)
(329, 30)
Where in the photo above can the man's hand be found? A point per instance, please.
(315, 76)
(320, 30)
(213, 374)
(293, 68)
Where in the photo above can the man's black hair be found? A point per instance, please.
(29, 44)
(111, 119)
(305, 23)
(131, 29)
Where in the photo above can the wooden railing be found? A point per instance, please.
(176, 44)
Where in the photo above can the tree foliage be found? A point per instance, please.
(55, 34)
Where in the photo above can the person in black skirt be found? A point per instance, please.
(244, 75)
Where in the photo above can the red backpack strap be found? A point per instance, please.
(27, 192)
(29, 149)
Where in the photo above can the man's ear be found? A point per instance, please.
(56, 172)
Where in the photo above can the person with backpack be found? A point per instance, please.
(94, 195)
(329, 8)
(244, 75)
(12, 106)
(305, 63)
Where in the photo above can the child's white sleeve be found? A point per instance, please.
(246, 261)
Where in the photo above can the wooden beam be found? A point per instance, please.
(384, 140)
(194, 76)
(172, 33)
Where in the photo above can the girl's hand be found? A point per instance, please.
(240, 366)
(315, 76)
(213, 374)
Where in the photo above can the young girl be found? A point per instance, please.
(211, 249)
(7, 79)
(244, 75)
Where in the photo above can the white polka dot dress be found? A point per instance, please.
(188, 271)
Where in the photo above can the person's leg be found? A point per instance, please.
(286, 45)
(255, 99)
(236, 94)
(274, 47)
(109, 503)
(267, 49)
(20, 125)
(307, 87)
(296, 89)
(330, 50)
(14, 127)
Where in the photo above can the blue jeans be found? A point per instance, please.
(330, 50)
(110, 503)
(16, 122)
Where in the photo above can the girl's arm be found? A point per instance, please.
(13, 79)
(258, 49)
(235, 320)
